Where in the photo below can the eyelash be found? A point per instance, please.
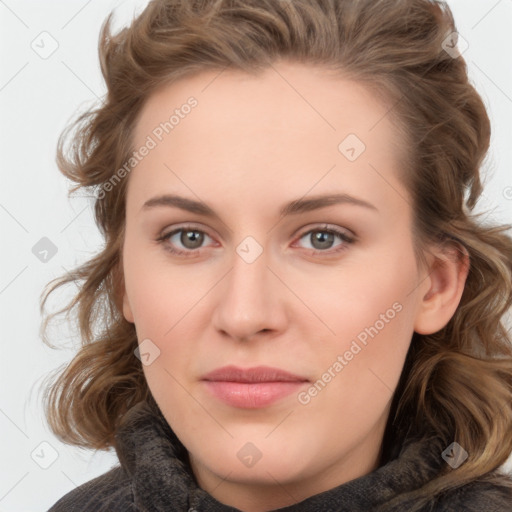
(348, 240)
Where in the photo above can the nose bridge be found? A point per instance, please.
(248, 299)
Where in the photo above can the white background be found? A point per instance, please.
(38, 97)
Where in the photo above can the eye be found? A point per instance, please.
(191, 239)
(322, 239)
(188, 237)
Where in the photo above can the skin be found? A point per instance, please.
(252, 144)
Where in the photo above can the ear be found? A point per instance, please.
(441, 292)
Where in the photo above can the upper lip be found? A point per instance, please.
(255, 374)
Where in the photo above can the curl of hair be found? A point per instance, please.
(457, 383)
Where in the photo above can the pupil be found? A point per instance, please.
(325, 239)
(190, 236)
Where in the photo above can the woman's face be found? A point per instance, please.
(328, 292)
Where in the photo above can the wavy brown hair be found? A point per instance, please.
(456, 384)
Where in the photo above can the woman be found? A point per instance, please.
(295, 307)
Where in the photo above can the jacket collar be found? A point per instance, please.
(157, 464)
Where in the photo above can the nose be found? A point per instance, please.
(250, 300)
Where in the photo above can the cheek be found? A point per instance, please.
(159, 293)
(370, 301)
(358, 377)
(166, 307)
(372, 314)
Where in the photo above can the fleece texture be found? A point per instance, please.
(154, 475)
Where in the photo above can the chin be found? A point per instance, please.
(257, 462)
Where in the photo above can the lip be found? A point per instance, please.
(252, 388)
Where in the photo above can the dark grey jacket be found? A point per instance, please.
(154, 475)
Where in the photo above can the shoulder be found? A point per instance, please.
(110, 492)
(491, 496)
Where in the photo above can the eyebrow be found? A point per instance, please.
(295, 207)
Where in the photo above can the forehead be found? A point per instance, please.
(287, 100)
(290, 124)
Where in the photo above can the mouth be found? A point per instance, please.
(252, 388)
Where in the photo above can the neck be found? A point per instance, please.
(263, 492)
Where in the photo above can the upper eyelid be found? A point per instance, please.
(185, 227)
(319, 227)
(327, 227)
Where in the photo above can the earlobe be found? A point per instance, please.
(444, 287)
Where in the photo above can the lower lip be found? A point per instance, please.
(252, 395)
